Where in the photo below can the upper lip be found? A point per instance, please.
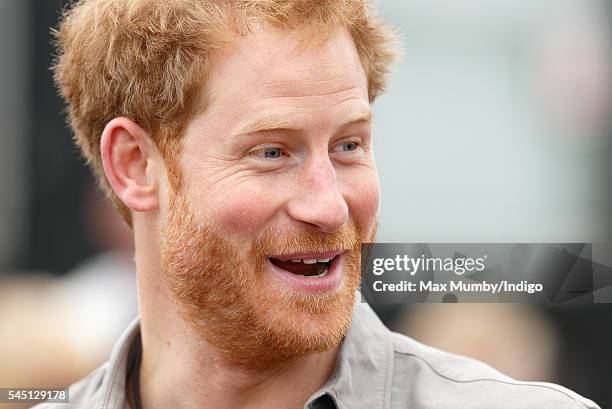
(315, 255)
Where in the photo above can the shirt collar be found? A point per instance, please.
(113, 394)
(361, 379)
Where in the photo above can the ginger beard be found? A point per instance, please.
(226, 295)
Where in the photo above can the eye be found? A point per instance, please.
(347, 146)
(269, 152)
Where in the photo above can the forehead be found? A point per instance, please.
(271, 72)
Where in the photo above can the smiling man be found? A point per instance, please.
(235, 138)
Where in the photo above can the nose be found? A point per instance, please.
(317, 201)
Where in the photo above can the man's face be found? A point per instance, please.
(277, 173)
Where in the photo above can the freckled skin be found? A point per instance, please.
(315, 184)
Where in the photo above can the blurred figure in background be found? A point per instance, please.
(55, 331)
(571, 66)
(515, 339)
(104, 285)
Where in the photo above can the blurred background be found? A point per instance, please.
(496, 128)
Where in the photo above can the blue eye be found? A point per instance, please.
(269, 153)
(349, 146)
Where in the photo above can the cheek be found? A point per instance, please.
(244, 212)
(363, 199)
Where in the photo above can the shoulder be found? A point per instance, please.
(85, 393)
(437, 379)
(104, 387)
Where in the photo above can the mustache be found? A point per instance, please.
(302, 239)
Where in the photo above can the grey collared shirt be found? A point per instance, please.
(376, 369)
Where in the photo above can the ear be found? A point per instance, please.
(129, 157)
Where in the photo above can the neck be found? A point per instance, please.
(185, 372)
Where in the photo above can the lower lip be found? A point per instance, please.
(312, 284)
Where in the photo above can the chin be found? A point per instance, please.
(307, 324)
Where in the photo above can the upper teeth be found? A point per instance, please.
(312, 260)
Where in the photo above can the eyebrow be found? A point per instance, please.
(271, 123)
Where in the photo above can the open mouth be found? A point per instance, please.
(309, 267)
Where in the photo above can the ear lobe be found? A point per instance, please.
(128, 155)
